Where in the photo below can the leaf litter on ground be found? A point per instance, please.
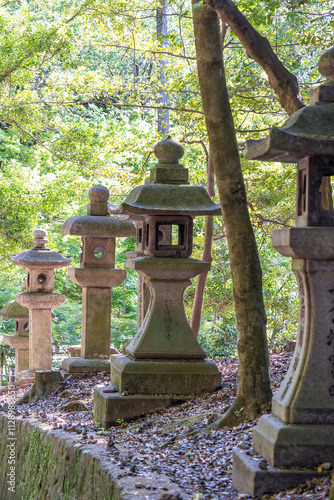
(200, 465)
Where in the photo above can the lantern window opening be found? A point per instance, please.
(26, 327)
(28, 279)
(99, 252)
(170, 236)
(302, 183)
(177, 235)
(147, 235)
(41, 278)
(140, 236)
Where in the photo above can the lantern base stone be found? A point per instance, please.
(17, 341)
(108, 408)
(250, 479)
(83, 365)
(293, 445)
(26, 377)
(165, 377)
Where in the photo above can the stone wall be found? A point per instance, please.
(53, 465)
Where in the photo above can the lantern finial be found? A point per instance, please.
(98, 194)
(40, 238)
(326, 66)
(168, 151)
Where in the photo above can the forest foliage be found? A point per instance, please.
(79, 85)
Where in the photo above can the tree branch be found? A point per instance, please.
(154, 52)
(59, 155)
(258, 48)
(263, 219)
(110, 103)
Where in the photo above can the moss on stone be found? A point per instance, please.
(50, 467)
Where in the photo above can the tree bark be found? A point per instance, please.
(207, 256)
(331, 493)
(163, 97)
(2, 358)
(46, 382)
(201, 279)
(283, 82)
(253, 378)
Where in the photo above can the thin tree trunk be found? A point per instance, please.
(2, 357)
(258, 48)
(163, 97)
(331, 493)
(207, 256)
(124, 302)
(253, 377)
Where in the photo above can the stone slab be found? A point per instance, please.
(82, 365)
(293, 445)
(305, 242)
(17, 341)
(164, 376)
(26, 377)
(40, 300)
(110, 407)
(250, 479)
(96, 277)
(75, 350)
(168, 268)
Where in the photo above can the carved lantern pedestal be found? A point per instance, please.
(298, 435)
(19, 341)
(96, 275)
(40, 298)
(164, 362)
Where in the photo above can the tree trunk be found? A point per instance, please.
(46, 382)
(331, 493)
(207, 257)
(163, 97)
(253, 378)
(2, 357)
(258, 48)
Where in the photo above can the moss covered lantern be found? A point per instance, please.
(299, 433)
(164, 357)
(96, 275)
(40, 297)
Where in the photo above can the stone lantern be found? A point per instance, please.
(20, 340)
(164, 360)
(39, 297)
(299, 433)
(96, 275)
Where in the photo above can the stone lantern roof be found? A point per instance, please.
(14, 310)
(168, 191)
(98, 222)
(307, 132)
(40, 256)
